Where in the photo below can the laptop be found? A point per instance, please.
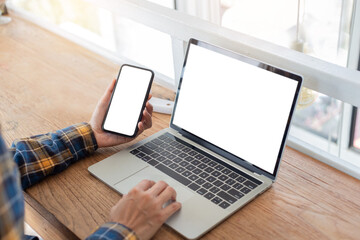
(224, 144)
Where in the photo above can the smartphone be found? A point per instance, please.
(128, 100)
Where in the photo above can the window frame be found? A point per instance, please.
(330, 79)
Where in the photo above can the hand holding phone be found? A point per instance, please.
(128, 100)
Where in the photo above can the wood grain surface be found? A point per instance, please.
(47, 83)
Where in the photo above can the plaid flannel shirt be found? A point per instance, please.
(32, 159)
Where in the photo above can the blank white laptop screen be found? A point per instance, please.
(236, 106)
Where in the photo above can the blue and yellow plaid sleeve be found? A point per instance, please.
(11, 198)
(112, 230)
(51, 153)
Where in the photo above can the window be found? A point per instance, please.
(326, 40)
(123, 38)
(305, 26)
(356, 130)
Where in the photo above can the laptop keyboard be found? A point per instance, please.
(213, 179)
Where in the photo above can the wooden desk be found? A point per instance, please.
(47, 83)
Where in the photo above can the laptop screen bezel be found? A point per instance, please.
(223, 152)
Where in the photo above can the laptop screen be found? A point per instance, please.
(235, 104)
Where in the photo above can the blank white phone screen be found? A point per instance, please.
(234, 105)
(127, 101)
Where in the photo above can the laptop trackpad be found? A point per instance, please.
(151, 173)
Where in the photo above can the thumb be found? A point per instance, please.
(105, 99)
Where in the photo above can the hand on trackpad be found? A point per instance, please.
(155, 175)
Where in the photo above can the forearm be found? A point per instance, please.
(51, 153)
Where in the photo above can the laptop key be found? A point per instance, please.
(216, 200)
(204, 175)
(215, 173)
(212, 164)
(235, 193)
(209, 195)
(225, 187)
(164, 145)
(200, 181)
(224, 205)
(214, 189)
(173, 174)
(197, 171)
(193, 177)
(186, 149)
(174, 143)
(190, 167)
(218, 183)
(180, 169)
(186, 173)
(226, 171)
(162, 137)
(205, 160)
(153, 162)
(158, 150)
(219, 167)
(155, 155)
(165, 153)
(182, 155)
(211, 179)
(167, 162)
(250, 185)
(156, 141)
(199, 156)
(208, 170)
(173, 166)
(237, 186)
(233, 175)
(180, 146)
(176, 152)
(241, 179)
(177, 160)
(202, 166)
(184, 163)
(171, 156)
(230, 181)
(196, 162)
(226, 197)
(161, 158)
(223, 177)
(135, 151)
(140, 155)
(194, 186)
(151, 145)
(192, 153)
(145, 150)
(207, 185)
(170, 148)
(245, 190)
(201, 191)
(146, 158)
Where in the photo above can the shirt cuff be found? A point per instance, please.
(113, 230)
(80, 139)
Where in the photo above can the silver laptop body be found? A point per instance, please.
(224, 144)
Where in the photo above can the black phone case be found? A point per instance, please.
(142, 108)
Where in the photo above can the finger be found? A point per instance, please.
(167, 194)
(158, 188)
(150, 96)
(145, 184)
(141, 128)
(149, 108)
(146, 120)
(107, 95)
(171, 209)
